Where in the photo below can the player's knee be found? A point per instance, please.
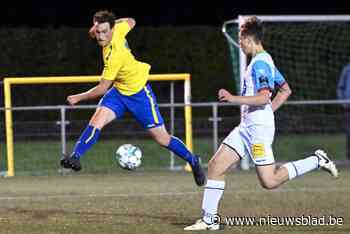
(97, 123)
(162, 140)
(101, 118)
(269, 184)
(212, 165)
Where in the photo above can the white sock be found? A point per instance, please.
(213, 192)
(300, 167)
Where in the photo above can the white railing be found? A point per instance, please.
(214, 118)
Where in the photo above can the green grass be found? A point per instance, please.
(292, 147)
(41, 158)
(163, 202)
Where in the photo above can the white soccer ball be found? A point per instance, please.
(129, 156)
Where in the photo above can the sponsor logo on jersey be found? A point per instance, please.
(258, 150)
(263, 80)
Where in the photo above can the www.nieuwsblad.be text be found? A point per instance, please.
(303, 220)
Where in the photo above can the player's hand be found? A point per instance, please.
(92, 31)
(73, 99)
(225, 96)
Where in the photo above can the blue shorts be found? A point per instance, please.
(142, 105)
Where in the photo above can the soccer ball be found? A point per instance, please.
(129, 156)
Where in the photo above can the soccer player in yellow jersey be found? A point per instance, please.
(124, 87)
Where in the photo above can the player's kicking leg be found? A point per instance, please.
(179, 148)
(175, 145)
(319, 159)
(88, 138)
(271, 177)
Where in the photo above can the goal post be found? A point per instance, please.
(11, 81)
(292, 37)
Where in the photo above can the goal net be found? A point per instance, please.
(310, 51)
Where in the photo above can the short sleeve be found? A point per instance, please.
(279, 79)
(261, 74)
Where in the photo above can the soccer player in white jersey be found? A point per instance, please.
(253, 137)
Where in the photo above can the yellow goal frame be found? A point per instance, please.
(9, 81)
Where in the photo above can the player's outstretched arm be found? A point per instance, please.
(130, 21)
(93, 93)
(282, 95)
(261, 98)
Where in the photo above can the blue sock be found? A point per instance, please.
(180, 149)
(86, 140)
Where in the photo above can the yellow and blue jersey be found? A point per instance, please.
(130, 91)
(120, 65)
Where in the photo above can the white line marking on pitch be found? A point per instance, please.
(96, 195)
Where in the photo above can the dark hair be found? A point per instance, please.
(104, 16)
(253, 27)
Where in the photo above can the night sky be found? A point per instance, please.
(157, 13)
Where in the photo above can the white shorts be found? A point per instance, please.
(255, 141)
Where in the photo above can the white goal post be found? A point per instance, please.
(277, 18)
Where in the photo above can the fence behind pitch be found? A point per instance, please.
(38, 144)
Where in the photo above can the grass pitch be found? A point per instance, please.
(163, 202)
(42, 157)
